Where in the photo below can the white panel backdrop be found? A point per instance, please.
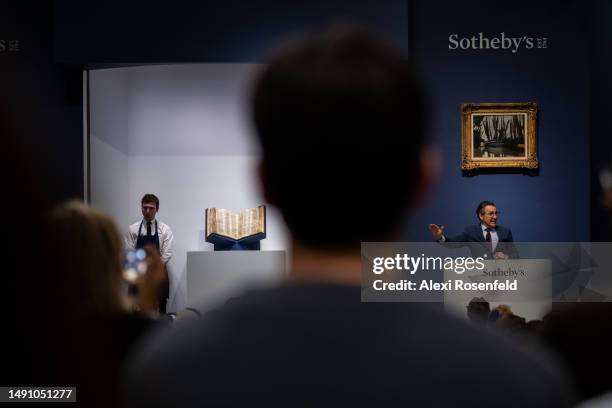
(109, 142)
(181, 132)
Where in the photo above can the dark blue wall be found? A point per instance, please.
(554, 205)
(42, 82)
(204, 31)
(601, 120)
(42, 99)
(551, 206)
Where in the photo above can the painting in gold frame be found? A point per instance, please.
(498, 135)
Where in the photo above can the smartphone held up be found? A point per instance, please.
(135, 264)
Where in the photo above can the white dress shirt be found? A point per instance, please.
(165, 237)
(494, 237)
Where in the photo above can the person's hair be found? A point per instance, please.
(481, 207)
(89, 259)
(478, 310)
(341, 120)
(150, 198)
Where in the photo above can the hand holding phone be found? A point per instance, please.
(135, 265)
(145, 270)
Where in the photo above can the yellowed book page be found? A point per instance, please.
(236, 225)
(223, 222)
(260, 220)
(251, 221)
(211, 221)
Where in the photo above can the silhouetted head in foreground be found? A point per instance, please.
(341, 119)
(89, 256)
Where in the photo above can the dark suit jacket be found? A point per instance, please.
(473, 233)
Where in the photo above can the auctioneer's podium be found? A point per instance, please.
(213, 277)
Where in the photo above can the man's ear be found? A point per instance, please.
(262, 173)
(429, 167)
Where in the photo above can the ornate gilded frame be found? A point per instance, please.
(470, 162)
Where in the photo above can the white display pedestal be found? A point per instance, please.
(215, 276)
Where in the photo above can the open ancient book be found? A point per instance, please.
(228, 230)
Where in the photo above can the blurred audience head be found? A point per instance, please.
(341, 118)
(504, 310)
(478, 310)
(499, 312)
(88, 259)
(580, 334)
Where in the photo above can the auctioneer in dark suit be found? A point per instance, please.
(500, 240)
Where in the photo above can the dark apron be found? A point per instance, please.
(144, 240)
(141, 242)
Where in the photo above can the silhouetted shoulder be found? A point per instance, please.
(318, 345)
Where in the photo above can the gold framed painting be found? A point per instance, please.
(498, 135)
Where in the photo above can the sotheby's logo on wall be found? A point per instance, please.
(9, 46)
(499, 41)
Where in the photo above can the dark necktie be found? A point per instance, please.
(488, 239)
(149, 229)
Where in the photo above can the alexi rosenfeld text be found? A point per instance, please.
(408, 264)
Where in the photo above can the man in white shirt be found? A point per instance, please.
(150, 231)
